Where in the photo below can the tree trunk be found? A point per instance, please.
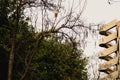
(11, 59)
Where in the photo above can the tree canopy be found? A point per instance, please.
(50, 54)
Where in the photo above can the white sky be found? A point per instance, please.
(99, 11)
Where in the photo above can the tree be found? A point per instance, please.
(11, 15)
(57, 61)
(56, 25)
(21, 43)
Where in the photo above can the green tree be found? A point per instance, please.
(21, 47)
(58, 61)
(11, 21)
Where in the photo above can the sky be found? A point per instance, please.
(99, 12)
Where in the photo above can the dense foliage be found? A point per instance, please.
(58, 61)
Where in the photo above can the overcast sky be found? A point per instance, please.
(99, 11)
